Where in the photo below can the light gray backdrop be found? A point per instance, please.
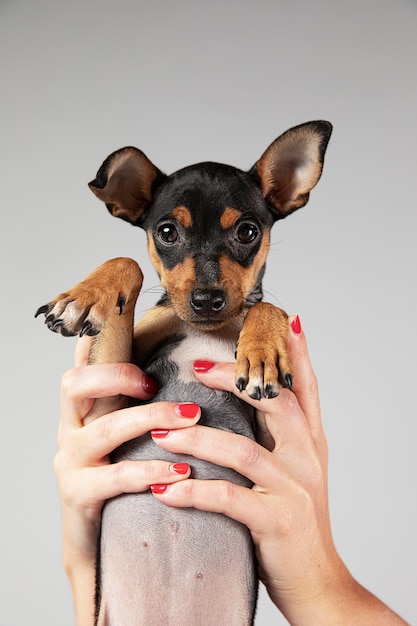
(189, 81)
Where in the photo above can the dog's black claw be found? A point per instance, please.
(121, 304)
(43, 309)
(54, 324)
(256, 394)
(270, 391)
(288, 380)
(88, 329)
(241, 383)
(65, 332)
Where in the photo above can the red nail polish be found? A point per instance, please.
(203, 366)
(296, 325)
(158, 488)
(150, 385)
(187, 410)
(180, 468)
(159, 432)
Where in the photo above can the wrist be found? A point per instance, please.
(342, 601)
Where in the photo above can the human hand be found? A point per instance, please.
(287, 508)
(85, 475)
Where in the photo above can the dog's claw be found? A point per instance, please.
(270, 391)
(43, 309)
(121, 304)
(88, 329)
(54, 324)
(241, 383)
(256, 393)
(289, 380)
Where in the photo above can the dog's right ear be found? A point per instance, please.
(126, 182)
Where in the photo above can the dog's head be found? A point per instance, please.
(208, 225)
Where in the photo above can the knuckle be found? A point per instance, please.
(313, 387)
(248, 452)
(227, 493)
(122, 472)
(68, 382)
(153, 472)
(106, 427)
(288, 402)
(126, 374)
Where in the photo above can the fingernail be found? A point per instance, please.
(180, 468)
(189, 409)
(296, 325)
(203, 366)
(150, 385)
(158, 488)
(159, 433)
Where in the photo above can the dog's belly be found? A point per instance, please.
(161, 566)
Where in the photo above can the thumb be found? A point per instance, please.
(305, 386)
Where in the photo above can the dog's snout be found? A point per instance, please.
(207, 301)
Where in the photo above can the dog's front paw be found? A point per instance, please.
(77, 312)
(84, 309)
(263, 365)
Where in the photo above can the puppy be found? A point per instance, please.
(208, 228)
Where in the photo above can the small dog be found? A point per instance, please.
(208, 227)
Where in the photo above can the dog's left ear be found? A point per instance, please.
(126, 182)
(292, 165)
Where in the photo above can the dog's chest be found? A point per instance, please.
(216, 346)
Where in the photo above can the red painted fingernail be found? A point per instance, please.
(203, 366)
(150, 385)
(158, 488)
(180, 468)
(159, 432)
(189, 409)
(296, 325)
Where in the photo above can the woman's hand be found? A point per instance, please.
(287, 509)
(86, 477)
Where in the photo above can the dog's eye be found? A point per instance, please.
(246, 232)
(167, 233)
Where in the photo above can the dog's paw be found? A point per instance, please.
(263, 365)
(80, 311)
(84, 309)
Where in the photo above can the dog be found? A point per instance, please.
(208, 229)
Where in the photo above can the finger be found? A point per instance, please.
(226, 449)
(82, 350)
(82, 385)
(218, 496)
(95, 441)
(305, 384)
(97, 484)
(222, 376)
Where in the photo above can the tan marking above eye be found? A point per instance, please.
(183, 216)
(229, 217)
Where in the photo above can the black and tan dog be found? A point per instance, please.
(208, 228)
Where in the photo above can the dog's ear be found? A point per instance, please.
(126, 182)
(292, 165)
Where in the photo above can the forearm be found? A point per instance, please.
(79, 560)
(344, 602)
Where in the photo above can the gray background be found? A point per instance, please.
(189, 81)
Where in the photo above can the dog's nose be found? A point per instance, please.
(205, 301)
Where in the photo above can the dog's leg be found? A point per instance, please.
(102, 306)
(263, 364)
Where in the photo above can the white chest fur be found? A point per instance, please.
(216, 345)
